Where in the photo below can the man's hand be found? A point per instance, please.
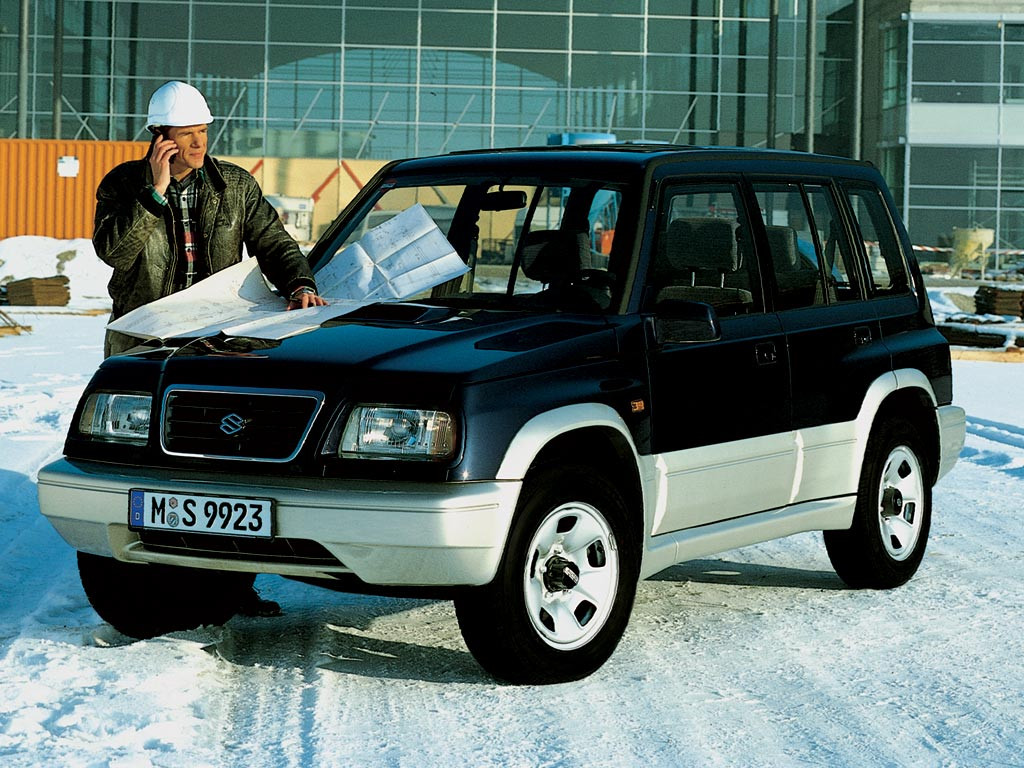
(160, 153)
(301, 299)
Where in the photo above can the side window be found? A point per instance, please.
(703, 250)
(887, 270)
(794, 258)
(564, 257)
(836, 257)
(810, 255)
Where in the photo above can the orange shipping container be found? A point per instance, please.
(48, 186)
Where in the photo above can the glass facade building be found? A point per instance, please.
(381, 79)
(952, 126)
(394, 78)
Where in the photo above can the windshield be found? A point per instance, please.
(527, 244)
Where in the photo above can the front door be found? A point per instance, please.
(720, 410)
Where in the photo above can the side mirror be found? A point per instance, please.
(685, 322)
(503, 200)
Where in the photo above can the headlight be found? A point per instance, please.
(386, 432)
(116, 416)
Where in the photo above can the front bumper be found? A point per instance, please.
(384, 532)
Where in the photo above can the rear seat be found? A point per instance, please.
(797, 282)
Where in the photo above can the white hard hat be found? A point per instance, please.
(177, 103)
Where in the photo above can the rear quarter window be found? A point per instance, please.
(887, 267)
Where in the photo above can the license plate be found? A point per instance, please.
(190, 513)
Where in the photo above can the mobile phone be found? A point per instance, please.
(163, 133)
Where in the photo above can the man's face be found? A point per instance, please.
(191, 141)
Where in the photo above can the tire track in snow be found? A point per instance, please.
(994, 444)
(259, 698)
(737, 649)
(996, 431)
(310, 683)
(355, 678)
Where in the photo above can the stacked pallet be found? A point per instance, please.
(990, 300)
(963, 335)
(39, 291)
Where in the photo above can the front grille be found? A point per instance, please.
(237, 423)
(281, 551)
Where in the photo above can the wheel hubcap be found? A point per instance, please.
(571, 575)
(560, 575)
(900, 494)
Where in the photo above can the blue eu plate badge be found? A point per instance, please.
(137, 508)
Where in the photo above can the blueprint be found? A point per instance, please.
(398, 259)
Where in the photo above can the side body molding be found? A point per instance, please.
(837, 450)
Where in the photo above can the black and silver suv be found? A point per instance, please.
(656, 354)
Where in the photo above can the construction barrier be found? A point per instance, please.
(48, 187)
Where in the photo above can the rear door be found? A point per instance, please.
(832, 333)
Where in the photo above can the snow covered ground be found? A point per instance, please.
(755, 657)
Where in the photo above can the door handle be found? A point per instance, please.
(861, 335)
(765, 353)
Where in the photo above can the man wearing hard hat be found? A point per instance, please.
(168, 221)
(177, 216)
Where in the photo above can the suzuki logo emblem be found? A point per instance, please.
(232, 424)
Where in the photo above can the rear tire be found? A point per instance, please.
(146, 600)
(562, 596)
(884, 546)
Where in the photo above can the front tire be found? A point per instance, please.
(562, 596)
(884, 546)
(146, 600)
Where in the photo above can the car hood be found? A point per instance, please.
(470, 345)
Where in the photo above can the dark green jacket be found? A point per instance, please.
(135, 235)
